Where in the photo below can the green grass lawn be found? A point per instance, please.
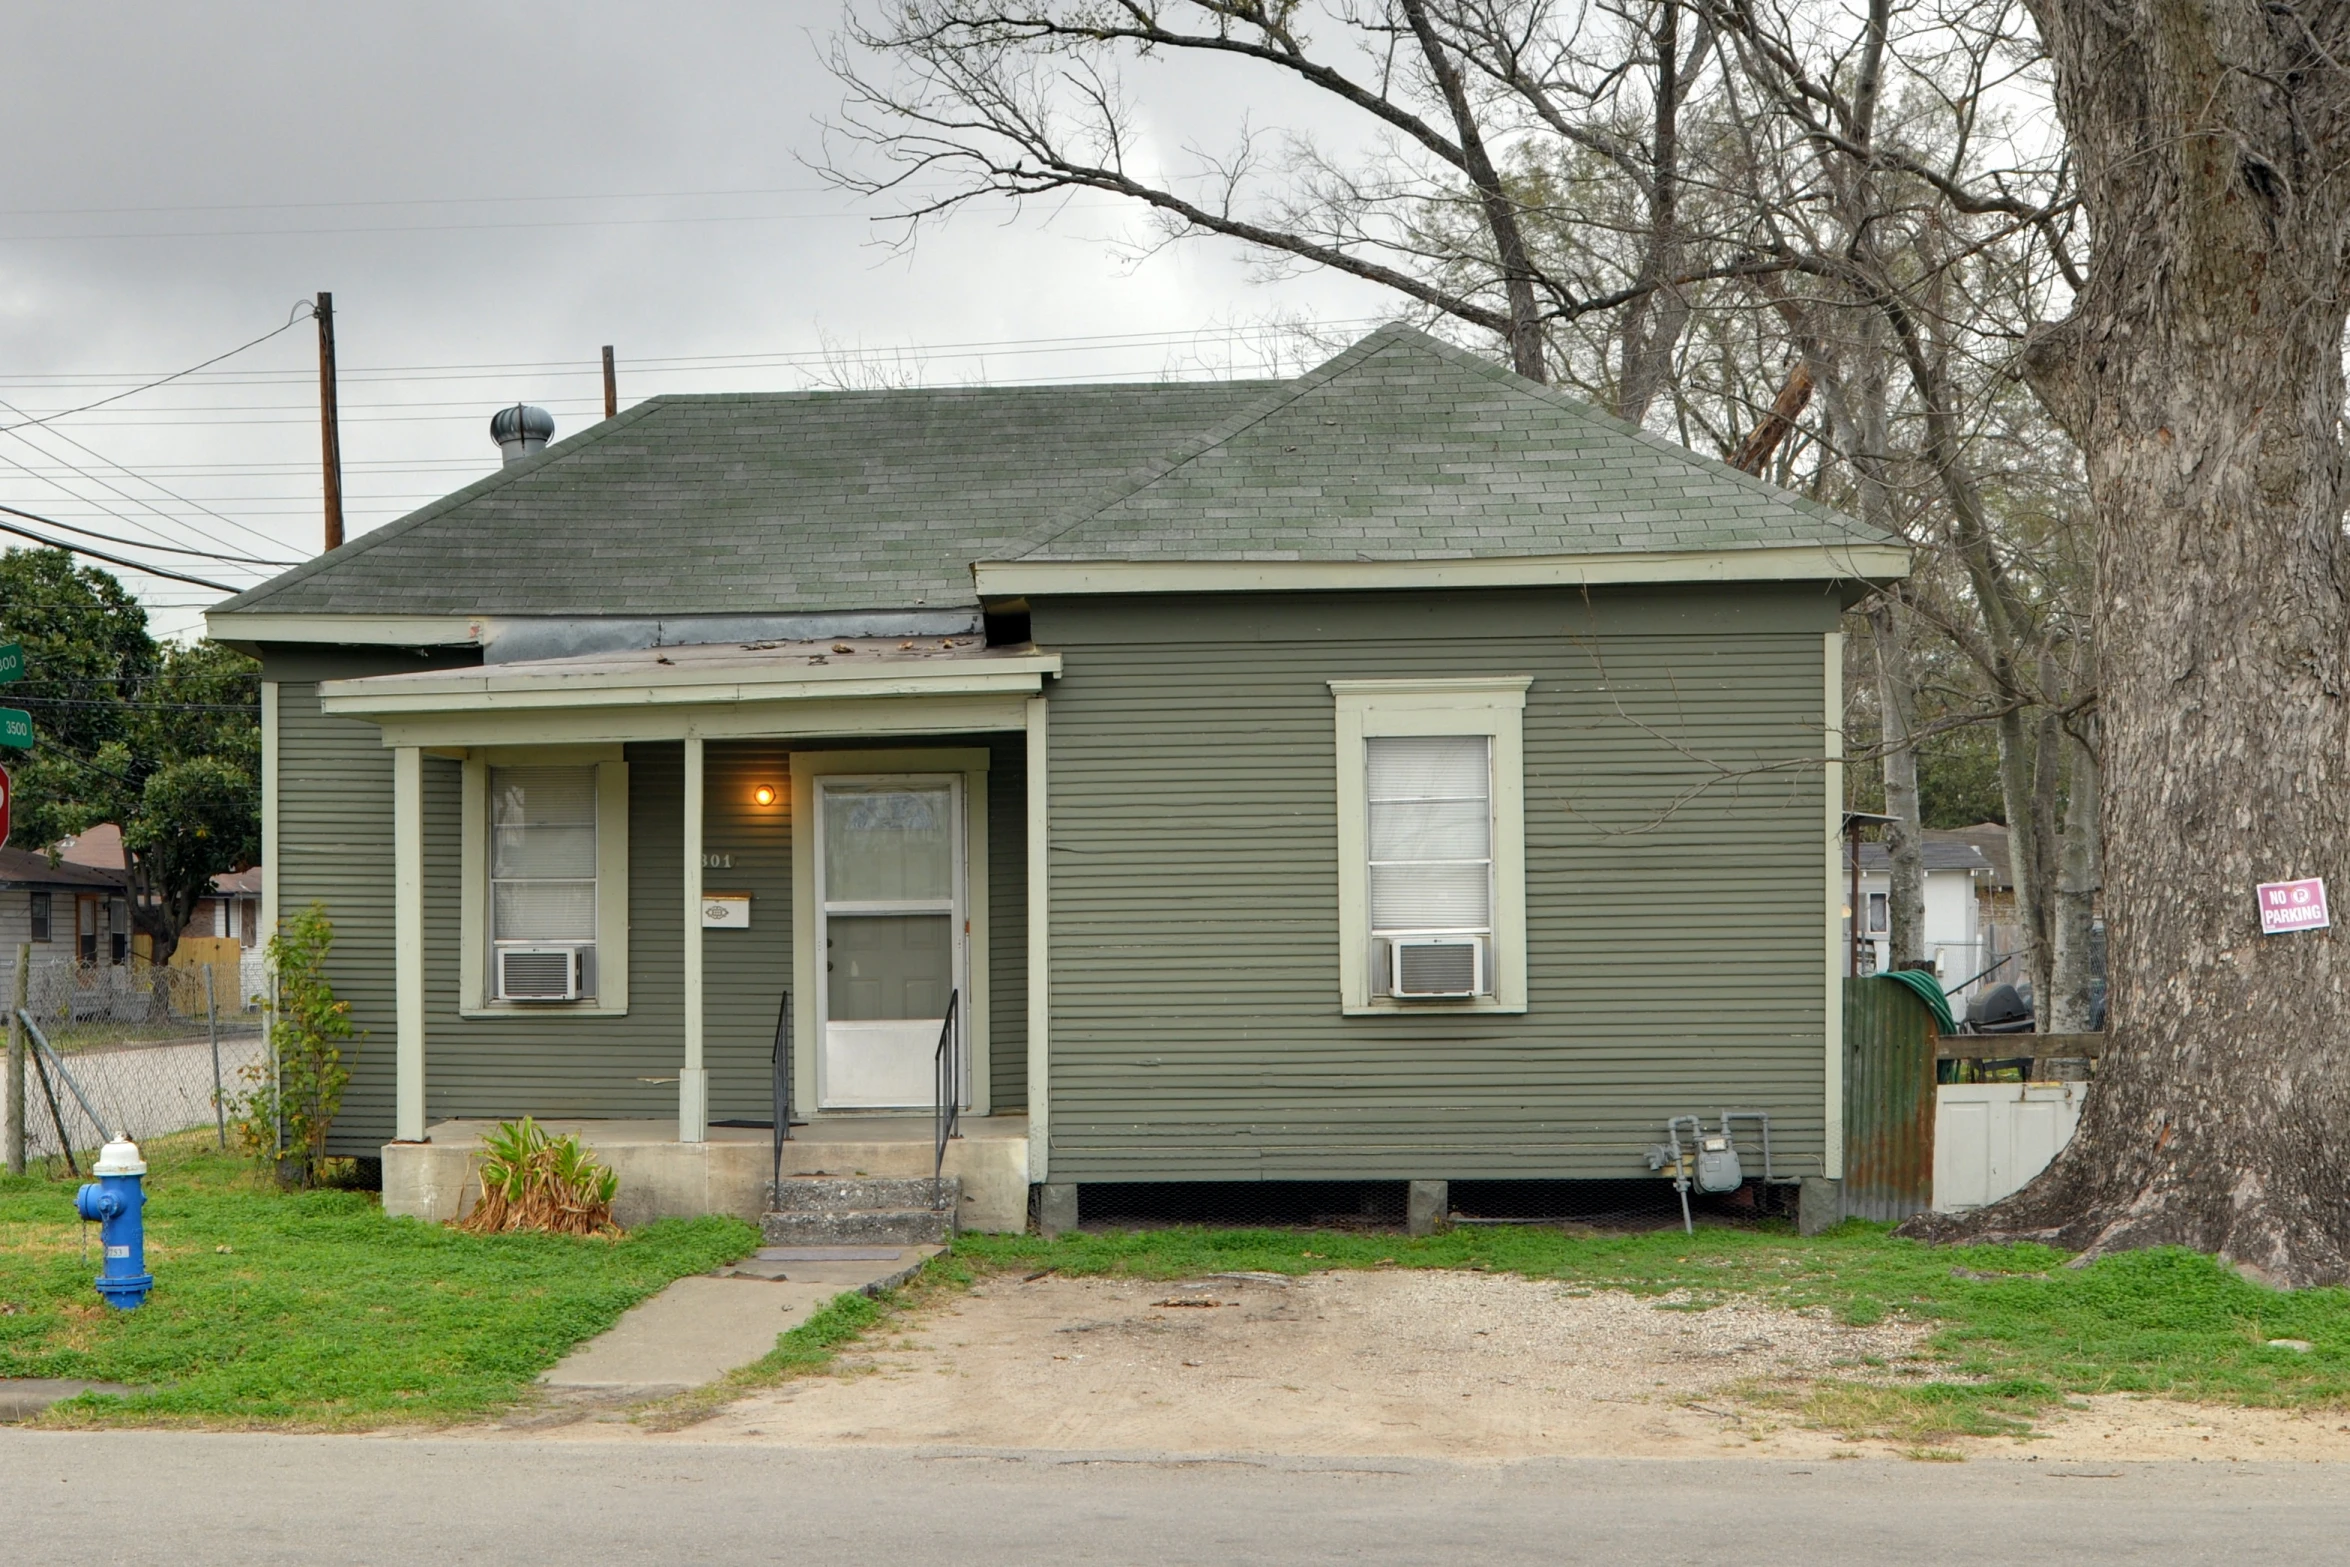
(2017, 1337)
(312, 1308)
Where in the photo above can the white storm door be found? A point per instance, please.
(889, 890)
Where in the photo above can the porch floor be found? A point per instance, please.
(661, 1177)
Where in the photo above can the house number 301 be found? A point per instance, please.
(718, 862)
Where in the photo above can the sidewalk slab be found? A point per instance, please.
(700, 1328)
(21, 1398)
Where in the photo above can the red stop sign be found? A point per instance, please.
(7, 799)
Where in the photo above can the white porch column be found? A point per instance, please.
(408, 941)
(1040, 1011)
(693, 1083)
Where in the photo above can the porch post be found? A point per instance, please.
(408, 942)
(1040, 969)
(693, 1083)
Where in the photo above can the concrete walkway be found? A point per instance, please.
(700, 1328)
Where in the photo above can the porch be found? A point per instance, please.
(624, 882)
(728, 1170)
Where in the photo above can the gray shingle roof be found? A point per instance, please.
(1401, 448)
(759, 504)
(1939, 852)
(1407, 448)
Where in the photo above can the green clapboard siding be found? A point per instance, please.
(1674, 810)
(335, 847)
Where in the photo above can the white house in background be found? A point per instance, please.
(232, 910)
(1954, 938)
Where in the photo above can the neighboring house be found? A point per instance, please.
(232, 911)
(1953, 937)
(1995, 911)
(63, 910)
(1271, 781)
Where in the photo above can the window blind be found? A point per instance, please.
(542, 854)
(1430, 801)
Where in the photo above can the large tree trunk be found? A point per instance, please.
(1905, 843)
(2201, 375)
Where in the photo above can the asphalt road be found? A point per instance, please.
(254, 1501)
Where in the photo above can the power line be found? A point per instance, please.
(162, 380)
(111, 560)
(764, 358)
(135, 500)
(152, 544)
(471, 228)
(416, 201)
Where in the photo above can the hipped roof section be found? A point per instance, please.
(1403, 448)
(1407, 448)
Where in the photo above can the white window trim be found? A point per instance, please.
(1493, 706)
(473, 998)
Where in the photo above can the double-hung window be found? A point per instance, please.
(546, 880)
(1432, 844)
(543, 882)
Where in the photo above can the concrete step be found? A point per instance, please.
(924, 1226)
(833, 1193)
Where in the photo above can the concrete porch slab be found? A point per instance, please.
(661, 1177)
(700, 1328)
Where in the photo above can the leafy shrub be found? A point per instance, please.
(530, 1181)
(297, 1091)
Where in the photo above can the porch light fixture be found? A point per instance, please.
(763, 795)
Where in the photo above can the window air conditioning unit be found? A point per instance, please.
(542, 973)
(1436, 967)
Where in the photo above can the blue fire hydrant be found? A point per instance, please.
(114, 1200)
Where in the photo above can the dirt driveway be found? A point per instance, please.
(1404, 1363)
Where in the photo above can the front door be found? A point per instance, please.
(890, 929)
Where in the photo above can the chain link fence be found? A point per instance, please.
(130, 1049)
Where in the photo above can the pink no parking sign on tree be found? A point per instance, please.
(2293, 905)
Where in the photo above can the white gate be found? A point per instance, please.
(1990, 1139)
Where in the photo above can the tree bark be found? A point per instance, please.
(1654, 322)
(1905, 843)
(2070, 1000)
(2200, 373)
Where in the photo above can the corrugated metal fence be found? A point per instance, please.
(1889, 1039)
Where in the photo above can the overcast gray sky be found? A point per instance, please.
(490, 195)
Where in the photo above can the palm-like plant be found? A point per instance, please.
(531, 1181)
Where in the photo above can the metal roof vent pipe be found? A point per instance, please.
(521, 431)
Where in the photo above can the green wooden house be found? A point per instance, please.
(1402, 772)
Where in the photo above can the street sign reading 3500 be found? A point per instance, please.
(16, 728)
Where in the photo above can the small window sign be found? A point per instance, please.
(2293, 905)
(726, 911)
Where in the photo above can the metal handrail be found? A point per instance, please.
(782, 1070)
(946, 1081)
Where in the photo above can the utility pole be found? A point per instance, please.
(330, 438)
(611, 385)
